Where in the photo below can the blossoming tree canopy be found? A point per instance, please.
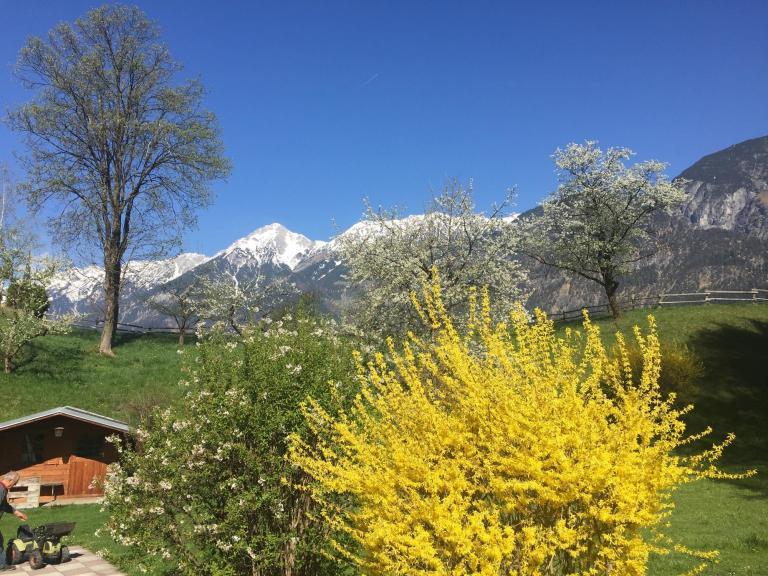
(596, 224)
(502, 449)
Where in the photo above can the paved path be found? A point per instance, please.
(83, 563)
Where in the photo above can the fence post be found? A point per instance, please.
(754, 295)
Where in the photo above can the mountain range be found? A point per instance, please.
(717, 239)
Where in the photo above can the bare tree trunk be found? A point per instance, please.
(611, 286)
(181, 336)
(232, 323)
(112, 304)
(289, 556)
(8, 368)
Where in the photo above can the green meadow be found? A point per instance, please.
(730, 342)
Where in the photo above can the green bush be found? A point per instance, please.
(28, 296)
(208, 490)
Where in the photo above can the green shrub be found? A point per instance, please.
(681, 369)
(210, 491)
(28, 296)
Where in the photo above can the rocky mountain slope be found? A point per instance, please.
(728, 190)
(718, 239)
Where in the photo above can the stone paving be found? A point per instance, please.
(83, 563)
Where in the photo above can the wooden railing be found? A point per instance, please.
(754, 295)
(130, 328)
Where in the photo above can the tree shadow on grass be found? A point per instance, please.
(42, 359)
(733, 394)
(65, 360)
(122, 338)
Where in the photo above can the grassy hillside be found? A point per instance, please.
(68, 370)
(731, 341)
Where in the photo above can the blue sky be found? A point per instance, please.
(325, 103)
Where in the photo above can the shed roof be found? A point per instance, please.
(76, 413)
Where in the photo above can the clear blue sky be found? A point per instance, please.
(325, 103)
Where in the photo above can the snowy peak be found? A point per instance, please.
(274, 243)
(152, 272)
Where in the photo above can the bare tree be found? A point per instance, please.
(124, 152)
(236, 303)
(179, 304)
(17, 241)
(7, 194)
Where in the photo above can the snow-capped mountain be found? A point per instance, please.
(273, 244)
(79, 289)
(76, 289)
(268, 253)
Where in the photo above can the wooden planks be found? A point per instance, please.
(83, 475)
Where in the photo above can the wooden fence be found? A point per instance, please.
(754, 295)
(129, 328)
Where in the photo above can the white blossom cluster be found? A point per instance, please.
(390, 257)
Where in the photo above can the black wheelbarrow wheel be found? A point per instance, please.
(36, 560)
(15, 556)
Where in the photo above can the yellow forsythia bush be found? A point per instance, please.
(502, 450)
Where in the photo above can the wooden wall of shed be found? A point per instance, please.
(60, 464)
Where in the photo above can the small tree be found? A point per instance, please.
(237, 303)
(178, 303)
(29, 295)
(595, 225)
(389, 257)
(210, 491)
(501, 449)
(125, 150)
(22, 313)
(23, 281)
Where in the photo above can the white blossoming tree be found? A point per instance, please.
(596, 224)
(235, 303)
(389, 257)
(207, 488)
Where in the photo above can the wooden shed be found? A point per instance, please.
(58, 453)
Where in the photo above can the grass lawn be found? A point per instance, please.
(731, 517)
(68, 371)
